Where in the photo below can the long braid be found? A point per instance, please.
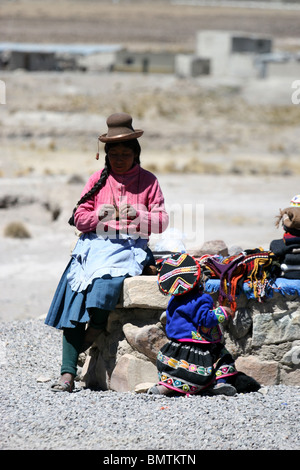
(97, 186)
(134, 145)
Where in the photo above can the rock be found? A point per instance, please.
(143, 292)
(163, 319)
(292, 357)
(43, 379)
(144, 387)
(241, 323)
(147, 340)
(272, 328)
(130, 371)
(234, 250)
(290, 376)
(213, 247)
(264, 372)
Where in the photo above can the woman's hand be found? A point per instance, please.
(108, 211)
(127, 211)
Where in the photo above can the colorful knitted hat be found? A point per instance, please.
(295, 201)
(179, 274)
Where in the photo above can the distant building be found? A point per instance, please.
(232, 53)
(146, 62)
(34, 57)
(31, 61)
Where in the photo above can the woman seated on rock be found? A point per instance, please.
(120, 206)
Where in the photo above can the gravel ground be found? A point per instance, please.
(34, 418)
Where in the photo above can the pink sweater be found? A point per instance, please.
(137, 187)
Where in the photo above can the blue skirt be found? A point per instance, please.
(68, 307)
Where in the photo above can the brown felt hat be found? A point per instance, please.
(120, 129)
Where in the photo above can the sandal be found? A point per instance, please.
(63, 387)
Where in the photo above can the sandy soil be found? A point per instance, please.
(226, 148)
(133, 22)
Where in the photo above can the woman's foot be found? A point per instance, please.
(65, 384)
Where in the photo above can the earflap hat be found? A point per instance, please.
(120, 129)
(179, 274)
(295, 201)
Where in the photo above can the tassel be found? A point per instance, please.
(97, 156)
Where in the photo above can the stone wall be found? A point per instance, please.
(264, 339)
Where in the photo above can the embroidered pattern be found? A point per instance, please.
(177, 364)
(179, 384)
(219, 312)
(225, 370)
(211, 335)
(178, 274)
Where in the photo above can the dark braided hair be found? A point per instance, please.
(134, 145)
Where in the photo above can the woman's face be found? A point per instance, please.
(121, 158)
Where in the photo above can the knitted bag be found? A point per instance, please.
(230, 270)
(251, 265)
(257, 270)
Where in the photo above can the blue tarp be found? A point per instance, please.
(281, 285)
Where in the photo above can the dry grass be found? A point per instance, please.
(16, 230)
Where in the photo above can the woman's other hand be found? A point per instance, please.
(127, 211)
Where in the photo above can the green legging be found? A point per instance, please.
(73, 339)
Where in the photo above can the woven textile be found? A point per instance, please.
(190, 368)
(253, 266)
(179, 274)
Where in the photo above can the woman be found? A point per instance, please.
(120, 207)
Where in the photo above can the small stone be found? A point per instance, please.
(43, 379)
(143, 387)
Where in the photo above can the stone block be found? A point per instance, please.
(241, 323)
(290, 376)
(270, 328)
(143, 292)
(131, 371)
(264, 372)
(147, 340)
(292, 357)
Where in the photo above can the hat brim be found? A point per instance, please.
(121, 137)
